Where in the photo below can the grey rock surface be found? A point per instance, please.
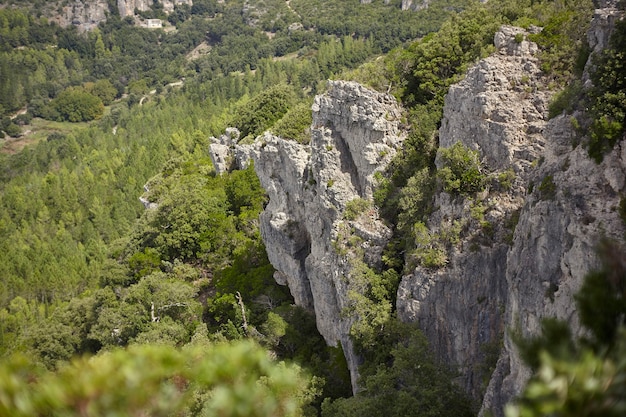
(355, 132)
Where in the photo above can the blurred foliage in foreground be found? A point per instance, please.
(223, 379)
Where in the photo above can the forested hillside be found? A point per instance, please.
(92, 121)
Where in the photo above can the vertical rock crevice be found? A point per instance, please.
(355, 132)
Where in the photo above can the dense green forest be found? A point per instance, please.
(86, 269)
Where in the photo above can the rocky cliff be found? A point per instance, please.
(522, 246)
(499, 110)
(128, 7)
(542, 229)
(87, 14)
(355, 133)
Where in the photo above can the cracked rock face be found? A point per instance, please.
(499, 110)
(128, 7)
(355, 132)
(500, 107)
(557, 208)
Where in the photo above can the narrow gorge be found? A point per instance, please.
(523, 244)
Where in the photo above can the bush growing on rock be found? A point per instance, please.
(461, 172)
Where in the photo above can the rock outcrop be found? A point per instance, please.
(499, 110)
(414, 5)
(87, 14)
(542, 229)
(523, 245)
(355, 132)
(572, 204)
(227, 154)
(84, 14)
(128, 7)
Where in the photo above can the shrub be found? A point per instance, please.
(608, 96)
(77, 105)
(461, 171)
(262, 111)
(295, 123)
(355, 207)
(13, 130)
(565, 100)
(506, 178)
(547, 188)
(23, 119)
(429, 251)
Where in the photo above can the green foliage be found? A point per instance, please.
(566, 99)
(547, 188)
(225, 379)
(430, 250)
(144, 263)
(77, 105)
(461, 172)
(601, 300)
(415, 199)
(260, 113)
(438, 60)
(10, 128)
(565, 388)
(555, 339)
(608, 95)
(103, 89)
(386, 24)
(295, 123)
(355, 207)
(410, 383)
(370, 302)
(505, 179)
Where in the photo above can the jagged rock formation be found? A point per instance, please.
(522, 270)
(411, 5)
(355, 132)
(226, 154)
(128, 7)
(85, 14)
(523, 247)
(572, 206)
(500, 110)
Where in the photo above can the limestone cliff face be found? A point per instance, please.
(127, 7)
(85, 14)
(523, 245)
(499, 109)
(355, 132)
(543, 229)
(571, 207)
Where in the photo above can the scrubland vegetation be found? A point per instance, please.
(86, 270)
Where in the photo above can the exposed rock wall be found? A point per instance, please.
(573, 204)
(85, 14)
(128, 7)
(564, 201)
(523, 249)
(499, 109)
(414, 5)
(355, 132)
